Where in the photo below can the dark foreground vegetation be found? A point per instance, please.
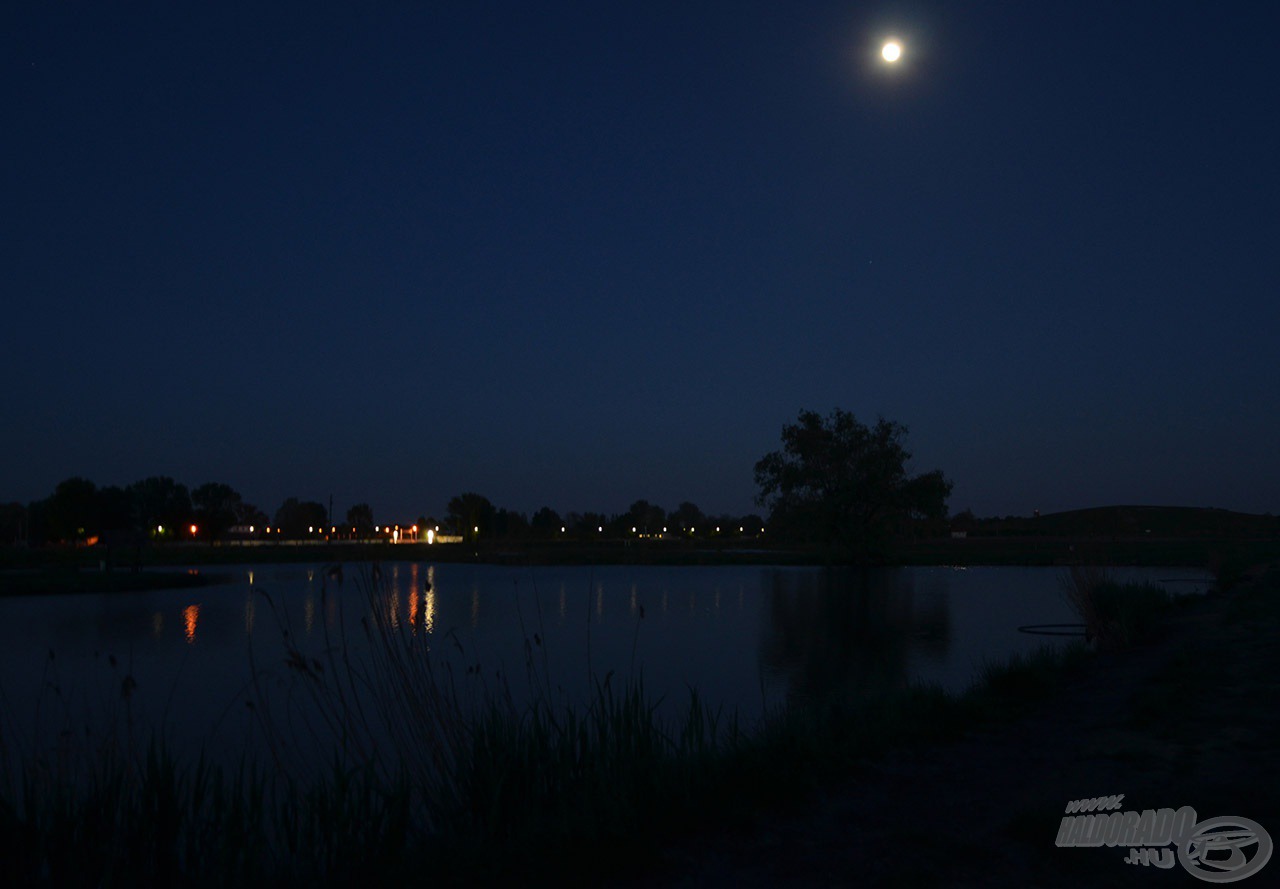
(419, 783)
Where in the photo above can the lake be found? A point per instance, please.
(746, 637)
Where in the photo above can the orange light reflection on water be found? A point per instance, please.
(191, 616)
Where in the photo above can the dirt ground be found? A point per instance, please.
(1190, 717)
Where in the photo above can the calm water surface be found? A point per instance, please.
(746, 638)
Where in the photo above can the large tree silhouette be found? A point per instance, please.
(844, 484)
(216, 506)
(472, 515)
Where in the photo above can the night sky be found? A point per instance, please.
(578, 254)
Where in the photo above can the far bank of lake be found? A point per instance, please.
(54, 569)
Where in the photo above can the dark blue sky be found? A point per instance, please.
(578, 254)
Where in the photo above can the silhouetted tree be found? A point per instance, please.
(469, 512)
(845, 484)
(588, 524)
(294, 517)
(72, 512)
(160, 502)
(216, 508)
(645, 517)
(249, 516)
(723, 524)
(360, 517)
(115, 509)
(687, 517)
(13, 524)
(510, 525)
(546, 522)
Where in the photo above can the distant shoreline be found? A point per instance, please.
(56, 570)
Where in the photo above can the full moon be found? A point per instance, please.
(891, 51)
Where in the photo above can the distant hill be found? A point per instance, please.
(1133, 521)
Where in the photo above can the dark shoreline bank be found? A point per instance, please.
(938, 551)
(55, 570)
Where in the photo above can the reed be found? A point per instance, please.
(391, 766)
(1079, 589)
(1115, 615)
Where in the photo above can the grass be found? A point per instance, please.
(1116, 615)
(418, 776)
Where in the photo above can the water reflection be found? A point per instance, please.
(845, 632)
(191, 617)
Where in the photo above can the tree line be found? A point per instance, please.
(836, 483)
(162, 509)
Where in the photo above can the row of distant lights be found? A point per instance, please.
(333, 529)
(194, 529)
(635, 530)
